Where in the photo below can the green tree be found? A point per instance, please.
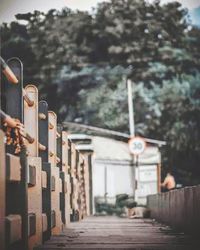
(79, 61)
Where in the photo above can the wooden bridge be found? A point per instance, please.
(117, 233)
(45, 187)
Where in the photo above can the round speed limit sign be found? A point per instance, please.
(137, 145)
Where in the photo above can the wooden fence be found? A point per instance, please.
(44, 183)
(178, 208)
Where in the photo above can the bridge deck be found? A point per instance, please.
(117, 233)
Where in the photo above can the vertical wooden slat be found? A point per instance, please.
(22, 197)
(43, 120)
(12, 98)
(59, 145)
(90, 183)
(64, 152)
(43, 129)
(159, 178)
(62, 198)
(55, 201)
(16, 195)
(31, 119)
(46, 200)
(87, 186)
(65, 169)
(52, 138)
(35, 204)
(55, 195)
(13, 104)
(69, 156)
(2, 191)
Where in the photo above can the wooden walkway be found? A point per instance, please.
(117, 233)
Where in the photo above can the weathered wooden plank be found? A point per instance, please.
(31, 120)
(17, 202)
(55, 201)
(13, 228)
(35, 202)
(62, 196)
(118, 233)
(43, 129)
(13, 168)
(59, 145)
(52, 138)
(2, 190)
(46, 200)
(13, 104)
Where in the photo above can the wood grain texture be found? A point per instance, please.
(35, 201)
(31, 120)
(2, 190)
(117, 233)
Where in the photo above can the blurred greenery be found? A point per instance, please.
(110, 205)
(80, 60)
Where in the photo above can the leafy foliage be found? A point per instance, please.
(80, 61)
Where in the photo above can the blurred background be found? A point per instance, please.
(86, 49)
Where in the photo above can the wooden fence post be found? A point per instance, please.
(34, 167)
(13, 104)
(31, 119)
(66, 177)
(46, 168)
(2, 190)
(74, 180)
(55, 180)
(16, 188)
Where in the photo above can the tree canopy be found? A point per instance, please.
(80, 60)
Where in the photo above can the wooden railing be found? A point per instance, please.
(44, 185)
(178, 208)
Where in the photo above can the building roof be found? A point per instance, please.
(84, 147)
(106, 149)
(90, 130)
(81, 138)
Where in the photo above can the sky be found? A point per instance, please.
(8, 8)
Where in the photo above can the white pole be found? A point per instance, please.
(132, 129)
(130, 108)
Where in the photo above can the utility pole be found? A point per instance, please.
(132, 131)
(130, 109)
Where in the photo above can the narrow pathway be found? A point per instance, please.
(117, 233)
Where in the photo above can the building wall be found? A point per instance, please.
(112, 178)
(147, 182)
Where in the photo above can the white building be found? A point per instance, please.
(113, 169)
